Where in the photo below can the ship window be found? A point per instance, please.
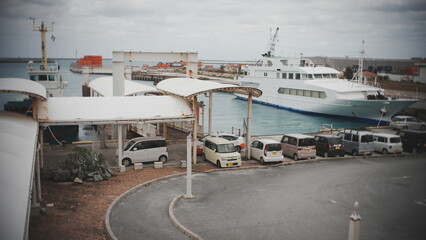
(327, 76)
(42, 77)
(322, 95)
(269, 63)
(306, 93)
(317, 75)
(297, 75)
(310, 76)
(265, 74)
(290, 75)
(284, 75)
(281, 90)
(284, 62)
(333, 75)
(51, 77)
(299, 92)
(315, 94)
(33, 77)
(286, 90)
(293, 91)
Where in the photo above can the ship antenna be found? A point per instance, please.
(42, 29)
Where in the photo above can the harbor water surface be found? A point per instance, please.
(228, 112)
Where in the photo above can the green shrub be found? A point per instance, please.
(84, 161)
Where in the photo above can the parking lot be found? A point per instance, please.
(301, 201)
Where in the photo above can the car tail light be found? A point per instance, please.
(329, 146)
(242, 145)
(299, 149)
(264, 153)
(314, 147)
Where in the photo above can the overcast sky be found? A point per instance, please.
(219, 29)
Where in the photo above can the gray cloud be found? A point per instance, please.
(217, 29)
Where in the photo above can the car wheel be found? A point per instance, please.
(354, 152)
(163, 159)
(126, 162)
(384, 151)
(204, 157)
(325, 154)
(262, 161)
(295, 157)
(238, 148)
(342, 155)
(218, 164)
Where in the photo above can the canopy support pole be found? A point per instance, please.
(210, 111)
(194, 131)
(248, 137)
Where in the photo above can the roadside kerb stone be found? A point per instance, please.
(177, 224)
(110, 234)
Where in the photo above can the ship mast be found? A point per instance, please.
(361, 63)
(43, 29)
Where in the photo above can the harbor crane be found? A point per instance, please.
(272, 42)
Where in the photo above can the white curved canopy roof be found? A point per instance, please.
(23, 86)
(103, 86)
(103, 110)
(18, 138)
(188, 87)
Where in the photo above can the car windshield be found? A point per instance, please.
(335, 140)
(306, 142)
(226, 148)
(367, 138)
(396, 119)
(273, 147)
(128, 145)
(395, 140)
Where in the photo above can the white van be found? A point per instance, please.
(267, 150)
(387, 143)
(145, 149)
(221, 152)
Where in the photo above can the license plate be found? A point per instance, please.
(229, 164)
(308, 150)
(337, 147)
(274, 153)
(366, 153)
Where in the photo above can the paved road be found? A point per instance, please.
(302, 201)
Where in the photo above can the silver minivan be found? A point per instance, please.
(357, 142)
(298, 146)
(387, 143)
(145, 149)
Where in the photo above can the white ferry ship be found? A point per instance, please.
(298, 84)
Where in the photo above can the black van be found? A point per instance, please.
(329, 145)
(412, 140)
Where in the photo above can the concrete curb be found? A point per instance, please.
(177, 224)
(110, 234)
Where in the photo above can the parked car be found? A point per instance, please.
(329, 145)
(298, 146)
(221, 152)
(266, 150)
(144, 149)
(238, 141)
(387, 143)
(357, 142)
(412, 140)
(407, 122)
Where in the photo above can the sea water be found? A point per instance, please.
(228, 112)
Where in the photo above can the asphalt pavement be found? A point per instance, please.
(298, 201)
